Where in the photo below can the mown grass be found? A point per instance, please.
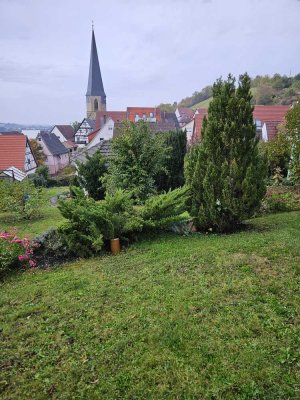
(197, 317)
(50, 217)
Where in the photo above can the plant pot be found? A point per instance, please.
(115, 246)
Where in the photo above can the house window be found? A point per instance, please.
(144, 117)
(28, 161)
(95, 105)
(258, 123)
(137, 117)
(151, 115)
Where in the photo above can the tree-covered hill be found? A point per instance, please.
(276, 89)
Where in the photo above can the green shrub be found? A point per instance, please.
(226, 173)
(163, 210)
(41, 176)
(90, 223)
(52, 248)
(280, 200)
(22, 199)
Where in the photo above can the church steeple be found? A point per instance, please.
(95, 95)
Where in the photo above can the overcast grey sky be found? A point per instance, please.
(150, 51)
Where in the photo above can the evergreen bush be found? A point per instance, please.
(226, 172)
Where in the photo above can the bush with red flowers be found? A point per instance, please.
(15, 252)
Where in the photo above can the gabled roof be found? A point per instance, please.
(93, 134)
(91, 122)
(53, 143)
(10, 133)
(67, 131)
(12, 150)
(270, 113)
(95, 84)
(14, 173)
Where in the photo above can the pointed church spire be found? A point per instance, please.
(95, 84)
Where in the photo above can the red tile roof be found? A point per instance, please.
(133, 111)
(12, 151)
(270, 113)
(93, 134)
(272, 128)
(103, 116)
(198, 124)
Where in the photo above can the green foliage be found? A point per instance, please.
(167, 107)
(281, 200)
(173, 175)
(90, 223)
(277, 151)
(38, 152)
(9, 252)
(292, 127)
(276, 89)
(138, 158)
(197, 97)
(41, 176)
(22, 199)
(90, 174)
(161, 211)
(226, 173)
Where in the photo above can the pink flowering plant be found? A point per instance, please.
(15, 252)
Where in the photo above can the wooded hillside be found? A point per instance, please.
(276, 89)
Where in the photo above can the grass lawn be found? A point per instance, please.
(50, 217)
(197, 317)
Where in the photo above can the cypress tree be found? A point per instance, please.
(226, 173)
(172, 176)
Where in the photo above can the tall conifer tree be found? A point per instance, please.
(227, 179)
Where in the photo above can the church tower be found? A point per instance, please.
(95, 95)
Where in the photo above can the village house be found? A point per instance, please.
(86, 127)
(65, 133)
(16, 156)
(184, 115)
(266, 118)
(57, 155)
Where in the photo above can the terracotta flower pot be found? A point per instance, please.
(115, 246)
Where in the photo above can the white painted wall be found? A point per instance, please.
(58, 133)
(54, 162)
(264, 133)
(189, 127)
(105, 133)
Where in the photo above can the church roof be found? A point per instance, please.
(95, 84)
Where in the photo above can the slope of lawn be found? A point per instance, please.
(50, 217)
(197, 317)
